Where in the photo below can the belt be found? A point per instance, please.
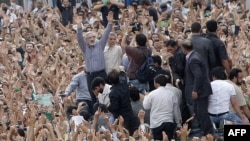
(217, 115)
(94, 72)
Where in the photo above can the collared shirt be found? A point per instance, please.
(175, 91)
(103, 98)
(188, 55)
(94, 56)
(164, 107)
(219, 101)
(79, 83)
(113, 57)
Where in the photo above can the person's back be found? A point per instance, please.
(120, 100)
(164, 109)
(137, 57)
(137, 104)
(203, 46)
(220, 52)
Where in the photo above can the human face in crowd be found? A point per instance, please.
(112, 40)
(171, 49)
(7, 37)
(39, 5)
(239, 78)
(157, 46)
(155, 37)
(29, 48)
(66, 3)
(91, 38)
(98, 90)
(23, 32)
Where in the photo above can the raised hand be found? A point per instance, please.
(110, 17)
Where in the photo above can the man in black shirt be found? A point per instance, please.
(221, 56)
(120, 100)
(109, 5)
(151, 10)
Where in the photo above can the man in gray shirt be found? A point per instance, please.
(93, 52)
(79, 83)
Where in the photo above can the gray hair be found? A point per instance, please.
(112, 34)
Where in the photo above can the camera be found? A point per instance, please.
(135, 26)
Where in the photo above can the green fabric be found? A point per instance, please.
(105, 2)
(164, 23)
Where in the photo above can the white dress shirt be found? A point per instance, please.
(164, 107)
(219, 101)
(104, 96)
(113, 57)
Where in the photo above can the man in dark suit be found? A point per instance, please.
(203, 46)
(197, 87)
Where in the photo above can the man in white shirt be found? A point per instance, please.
(113, 53)
(173, 89)
(223, 95)
(101, 90)
(165, 110)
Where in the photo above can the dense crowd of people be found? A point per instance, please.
(92, 70)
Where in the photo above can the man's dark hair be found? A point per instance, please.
(134, 93)
(146, 2)
(70, 109)
(234, 73)
(157, 59)
(187, 45)
(86, 115)
(171, 43)
(211, 26)
(97, 82)
(161, 79)
(168, 76)
(196, 27)
(113, 76)
(219, 73)
(141, 39)
(103, 108)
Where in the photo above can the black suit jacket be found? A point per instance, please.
(196, 78)
(205, 48)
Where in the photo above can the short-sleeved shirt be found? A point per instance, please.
(219, 49)
(239, 94)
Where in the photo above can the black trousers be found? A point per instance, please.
(90, 78)
(202, 115)
(167, 127)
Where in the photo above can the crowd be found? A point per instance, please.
(72, 70)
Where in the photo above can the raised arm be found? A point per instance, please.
(108, 29)
(59, 5)
(81, 41)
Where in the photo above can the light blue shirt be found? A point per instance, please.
(94, 56)
(79, 83)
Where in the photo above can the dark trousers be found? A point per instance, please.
(167, 127)
(90, 77)
(202, 115)
(131, 123)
